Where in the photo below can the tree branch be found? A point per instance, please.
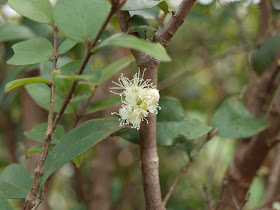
(148, 147)
(188, 165)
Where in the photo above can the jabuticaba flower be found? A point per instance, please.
(139, 98)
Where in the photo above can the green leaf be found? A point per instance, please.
(155, 50)
(3, 1)
(81, 20)
(35, 149)
(139, 4)
(66, 45)
(73, 67)
(14, 32)
(4, 203)
(37, 133)
(41, 95)
(163, 6)
(78, 141)
(184, 144)
(113, 68)
(263, 57)
(32, 51)
(78, 160)
(40, 11)
(25, 81)
(63, 84)
(234, 120)
(148, 14)
(171, 125)
(103, 104)
(15, 181)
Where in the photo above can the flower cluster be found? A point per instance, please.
(139, 98)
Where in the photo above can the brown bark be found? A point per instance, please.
(273, 185)
(246, 162)
(148, 147)
(264, 20)
(32, 115)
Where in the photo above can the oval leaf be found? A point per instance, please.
(78, 141)
(155, 50)
(25, 81)
(234, 120)
(15, 181)
(40, 11)
(140, 4)
(81, 20)
(14, 32)
(66, 45)
(32, 51)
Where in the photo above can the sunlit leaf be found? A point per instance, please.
(35, 149)
(25, 81)
(4, 203)
(140, 4)
(40, 11)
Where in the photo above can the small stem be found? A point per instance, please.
(55, 54)
(80, 114)
(187, 166)
(34, 190)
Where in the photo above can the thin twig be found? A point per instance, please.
(34, 190)
(79, 114)
(236, 205)
(188, 165)
(30, 200)
(205, 189)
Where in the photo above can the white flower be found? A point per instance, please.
(138, 99)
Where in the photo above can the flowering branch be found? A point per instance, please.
(148, 146)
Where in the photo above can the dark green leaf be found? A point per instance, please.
(234, 120)
(78, 141)
(35, 149)
(37, 133)
(129, 41)
(25, 81)
(140, 4)
(263, 57)
(14, 32)
(73, 67)
(4, 203)
(81, 20)
(40, 11)
(66, 45)
(103, 104)
(15, 181)
(32, 51)
(41, 95)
